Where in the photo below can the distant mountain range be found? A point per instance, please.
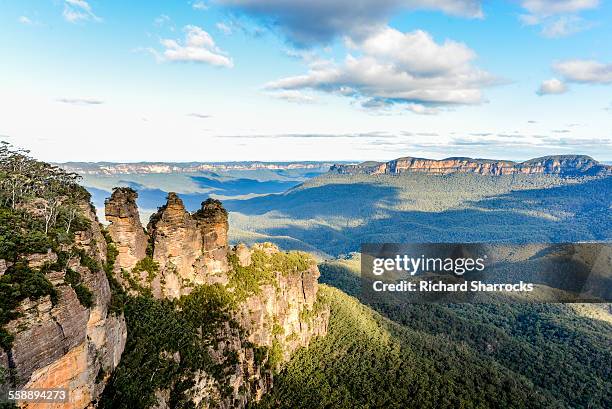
(563, 165)
(110, 168)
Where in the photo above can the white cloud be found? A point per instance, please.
(306, 22)
(162, 19)
(395, 67)
(24, 20)
(551, 7)
(422, 109)
(224, 28)
(199, 5)
(80, 101)
(552, 86)
(294, 96)
(585, 71)
(564, 26)
(557, 18)
(78, 10)
(198, 47)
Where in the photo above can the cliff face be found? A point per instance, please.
(188, 249)
(563, 165)
(239, 313)
(271, 325)
(274, 296)
(125, 228)
(59, 342)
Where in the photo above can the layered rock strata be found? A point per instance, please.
(563, 165)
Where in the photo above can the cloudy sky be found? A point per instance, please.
(218, 80)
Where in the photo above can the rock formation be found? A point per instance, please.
(279, 316)
(213, 225)
(189, 249)
(563, 165)
(125, 227)
(62, 343)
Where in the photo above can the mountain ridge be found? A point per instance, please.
(120, 168)
(564, 165)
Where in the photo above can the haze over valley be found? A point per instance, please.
(332, 209)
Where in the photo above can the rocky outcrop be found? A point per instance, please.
(60, 343)
(213, 225)
(270, 310)
(189, 249)
(273, 323)
(274, 296)
(284, 311)
(125, 227)
(563, 165)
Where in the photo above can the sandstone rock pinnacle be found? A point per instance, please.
(125, 228)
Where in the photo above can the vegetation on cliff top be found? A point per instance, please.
(39, 211)
(431, 361)
(246, 280)
(169, 342)
(547, 348)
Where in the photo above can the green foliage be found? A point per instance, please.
(275, 355)
(118, 295)
(547, 344)
(21, 234)
(157, 331)
(84, 295)
(277, 329)
(147, 264)
(16, 284)
(263, 268)
(334, 214)
(367, 361)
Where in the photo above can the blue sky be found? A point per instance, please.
(272, 80)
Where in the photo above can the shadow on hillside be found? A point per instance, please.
(340, 200)
(242, 186)
(580, 212)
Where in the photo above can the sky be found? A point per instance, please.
(284, 80)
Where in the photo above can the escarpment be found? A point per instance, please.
(63, 333)
(563, 165)
(257, 306)
(170, 316)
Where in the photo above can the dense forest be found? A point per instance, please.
(334, 214)
(505, 355)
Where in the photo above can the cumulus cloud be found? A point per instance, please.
(585, 71)
(78, 10)
(306, 22)
(395, 67)
(24, 20)
(557, 18)
(552, 86)
(80, 101)
(198, 47)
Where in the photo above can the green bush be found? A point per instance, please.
(16, 284)
(147, 264)
(157, 329)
